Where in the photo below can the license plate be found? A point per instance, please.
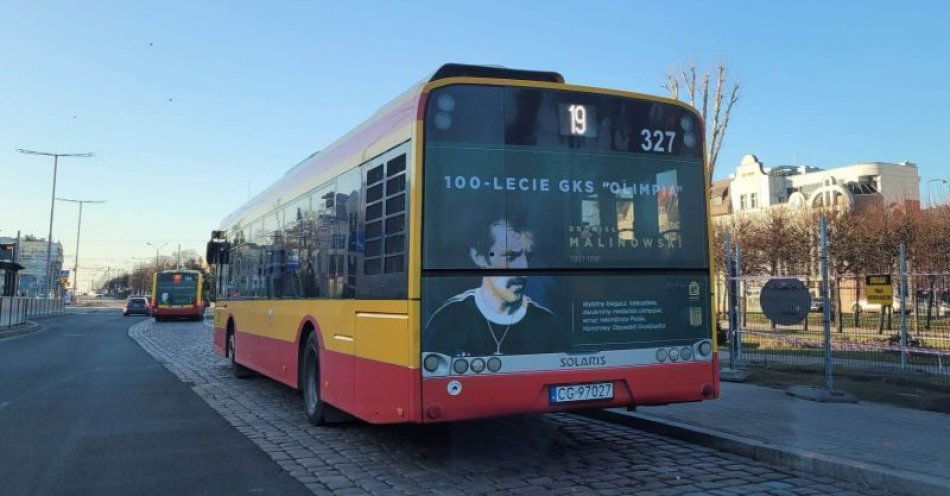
(582, 392)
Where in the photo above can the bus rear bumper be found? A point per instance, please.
(509, 394)
(192, 312)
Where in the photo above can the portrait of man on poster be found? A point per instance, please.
(497, 317)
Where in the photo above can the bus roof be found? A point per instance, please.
(389, 126)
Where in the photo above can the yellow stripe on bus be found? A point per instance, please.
(381, 330)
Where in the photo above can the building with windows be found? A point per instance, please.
(31, 254)
(755, 187)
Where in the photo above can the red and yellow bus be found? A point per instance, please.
(491, 242)
(178, 294)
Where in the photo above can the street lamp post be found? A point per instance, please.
(156, 253)
(78, 230)
(930, 202)
(52, 205)
(156, 257)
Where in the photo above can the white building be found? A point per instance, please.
(32, 280)
(755, 187)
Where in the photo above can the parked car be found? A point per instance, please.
(136, 305)
(817, 305)
(876, 307)
(941, 301)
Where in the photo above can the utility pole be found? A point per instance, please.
(156, 253)
(16, 259)
(178, 264)
(78, 231)
(52, 205)
(930, 202)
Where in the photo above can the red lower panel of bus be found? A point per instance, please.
(274, 358)
(507, 394)
(377, 392)
(193, 311)
(382, 393)
(374, 391)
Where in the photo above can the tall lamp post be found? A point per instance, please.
(930, 202)
(156, 256)
(78, 231)
(52, 204)
(156, 252)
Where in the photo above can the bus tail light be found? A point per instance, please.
(460, 366)
(705, 348)
(432, 362)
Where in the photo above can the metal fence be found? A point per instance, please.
(908, 338)
(16, 310)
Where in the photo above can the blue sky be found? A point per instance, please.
(191, 105)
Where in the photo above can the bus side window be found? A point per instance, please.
(384, 216)
(350, 239)
(315, 254)
(395, 224)
(290, 287)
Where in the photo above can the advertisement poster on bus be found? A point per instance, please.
(541, 252)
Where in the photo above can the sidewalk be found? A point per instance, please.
(898, 449)
(19, 329)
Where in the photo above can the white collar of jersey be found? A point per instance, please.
(482, 301)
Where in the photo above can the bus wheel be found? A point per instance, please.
(240, 371)
(314, 407)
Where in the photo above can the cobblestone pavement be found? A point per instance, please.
(550, 454)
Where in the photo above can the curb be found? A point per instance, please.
(893, 480)
(28, 328)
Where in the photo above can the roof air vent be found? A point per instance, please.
(485, 71)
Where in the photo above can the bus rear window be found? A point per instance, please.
(544, 179)
(177, 289)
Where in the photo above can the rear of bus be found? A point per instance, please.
(565, 256)
(177, 294)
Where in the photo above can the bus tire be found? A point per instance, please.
(239, 370)
(314, 407)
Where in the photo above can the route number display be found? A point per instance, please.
(578, 120)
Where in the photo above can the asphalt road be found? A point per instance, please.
(84, 410)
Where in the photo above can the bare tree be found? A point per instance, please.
(691, 85)
(931, 254)
(780, 239)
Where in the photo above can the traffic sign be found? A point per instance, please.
(785, 301)
(879, 289)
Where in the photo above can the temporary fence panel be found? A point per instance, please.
(910, 336)
(17, 310)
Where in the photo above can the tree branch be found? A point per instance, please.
(672, 85)
(733, 98)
